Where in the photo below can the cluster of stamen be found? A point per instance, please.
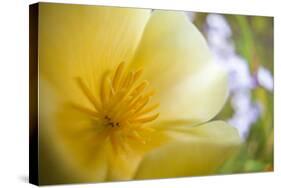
(123, 99)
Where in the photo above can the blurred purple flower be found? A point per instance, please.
(246, 112)
(218, 24)
(264, 78)
(243, 120)
(219, 36)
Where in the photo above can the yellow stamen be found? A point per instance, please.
(146, 119)
(117, 75)
(86, 110)
(149, 109)
(104, 89)
(123, 105)
(88, 93)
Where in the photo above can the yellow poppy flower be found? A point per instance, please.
(127, 94)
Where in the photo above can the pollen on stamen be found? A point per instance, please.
(124, 100)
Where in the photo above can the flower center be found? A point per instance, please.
(123, 101)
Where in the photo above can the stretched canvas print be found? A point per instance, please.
(121, 94)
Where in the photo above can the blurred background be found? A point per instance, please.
(243, 45)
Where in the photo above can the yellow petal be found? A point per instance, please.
(62, 127)
(178, 64)
(198, 98)
(73, 146)
(83, 40)
(76, 147)
(192, 151)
